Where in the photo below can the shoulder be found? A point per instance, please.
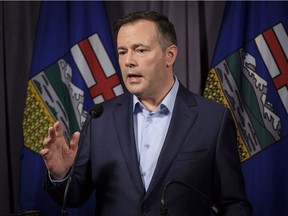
(199, 102)
(111, 104)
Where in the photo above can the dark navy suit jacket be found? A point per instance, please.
(200, 150)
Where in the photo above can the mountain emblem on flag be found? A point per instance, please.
(53, 96)
(252, 86)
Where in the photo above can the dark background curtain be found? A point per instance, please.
(197, 24)
(18, 22)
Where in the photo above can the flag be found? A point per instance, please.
(249, 74)
(74, 66)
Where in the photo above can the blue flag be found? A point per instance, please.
(249, 75)
(74, 66)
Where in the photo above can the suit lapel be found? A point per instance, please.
(182, 120)
(123, 119)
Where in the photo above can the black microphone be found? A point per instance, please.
(95, 112)
(164, 210)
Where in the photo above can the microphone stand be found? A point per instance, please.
(164, 210)
(95, 112)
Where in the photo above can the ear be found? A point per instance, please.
(171, 53)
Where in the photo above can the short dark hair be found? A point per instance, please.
(166, 32)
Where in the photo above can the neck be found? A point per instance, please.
(152, 103)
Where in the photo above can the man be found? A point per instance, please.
(156, 133)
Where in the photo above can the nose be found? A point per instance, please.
(130, 60)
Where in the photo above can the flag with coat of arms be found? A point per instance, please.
(249, 75)
(74, 66)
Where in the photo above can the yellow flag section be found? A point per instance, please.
(214, 91)
(37, 119)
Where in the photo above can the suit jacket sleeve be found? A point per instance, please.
(229, 184)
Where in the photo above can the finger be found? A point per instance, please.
(46, 142)
(74, 141)
(51, 135)
(58, 130)
(44, 152)
(50, 130)
(50, 138)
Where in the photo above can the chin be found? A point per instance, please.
(136, 93)
(133, 90)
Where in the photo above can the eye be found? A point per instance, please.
(121, 52)
(140, 50)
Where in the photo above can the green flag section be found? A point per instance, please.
(235, 83)
(74, 66)
(249, 75)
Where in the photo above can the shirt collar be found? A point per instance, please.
(168, 101)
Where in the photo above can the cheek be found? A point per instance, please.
(157, 68)
(123, 69)
(121, 63)
(154, 64)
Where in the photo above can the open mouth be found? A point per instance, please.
(134, 76)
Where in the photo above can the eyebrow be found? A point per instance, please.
(133, 46)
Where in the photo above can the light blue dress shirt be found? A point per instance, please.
(150, 132)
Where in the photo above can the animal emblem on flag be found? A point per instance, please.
(53, 96)
(255, 88)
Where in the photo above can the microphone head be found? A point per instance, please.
(96, 111)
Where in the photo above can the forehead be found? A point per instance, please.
(139, 28)
(140, 22)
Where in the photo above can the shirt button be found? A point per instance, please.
(149, 119)
(147, 146)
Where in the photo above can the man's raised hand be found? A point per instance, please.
(57, 154)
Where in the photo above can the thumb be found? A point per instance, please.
(74, 141)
